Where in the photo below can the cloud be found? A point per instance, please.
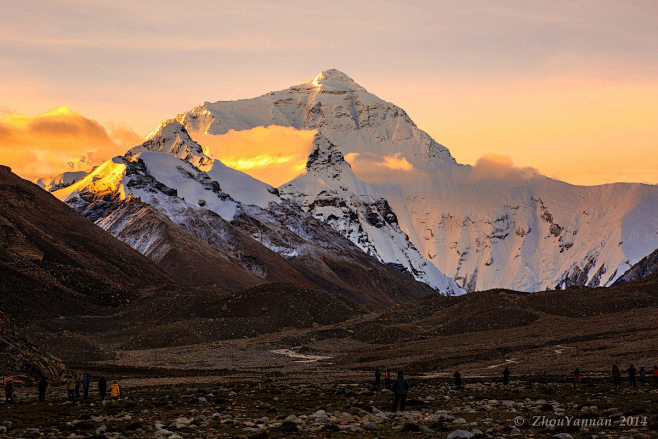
(373, 168)
(61, 139)
(500, 167)
(273, 154)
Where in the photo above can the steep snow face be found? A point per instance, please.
(60, 181)
(332, 193)
(527, 234)
(242, 187)
(337, 106)
(646, 267)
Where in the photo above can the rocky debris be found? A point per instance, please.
(248, 407)
(22, 359)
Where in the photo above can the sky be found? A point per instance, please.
(568, 88)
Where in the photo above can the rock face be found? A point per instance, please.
(514, 229)
(645, 268)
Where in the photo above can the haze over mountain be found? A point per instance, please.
(416, 208)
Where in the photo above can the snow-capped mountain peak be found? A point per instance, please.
(527, 234)
(172, 138)
(333, 79)
(345, 112)
(332, 193)
(485, 231)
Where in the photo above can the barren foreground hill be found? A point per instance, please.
(283, 328)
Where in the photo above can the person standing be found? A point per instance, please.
(42, 386)
(70, 388)
(115, 391)
(85, 386)
(9, 391)
(506, 376)
(655, 376)
(576, 378)
(378, 378)
(102, 387)
(643, 375)
(388, 379)
(458, 379)
(400, 388)
(631, 376)
(616, 375)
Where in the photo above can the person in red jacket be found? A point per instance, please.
(576, 378)
(655, 376)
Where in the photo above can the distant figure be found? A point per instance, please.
(77, 389)
(631, 376)
(85, 386)
(115, 391)
(506, 376)
(9, 391)
(616, 376)
(388, 379)
(655, 376)
(643, 375)
(576, 378)
(70, 388)
(458, 379)
(400, 387)
(102, 387)
(42, 386)
(378, 378)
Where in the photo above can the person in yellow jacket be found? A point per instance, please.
(70, 387)
(115, 391)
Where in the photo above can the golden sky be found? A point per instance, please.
(569, 88)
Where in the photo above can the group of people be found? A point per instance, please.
(458, 377)
(400, 386)
(387, 378)
(73, 388)
(632, 376)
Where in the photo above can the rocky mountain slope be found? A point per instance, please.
(53, 261)
(22, 360)
(519, 230)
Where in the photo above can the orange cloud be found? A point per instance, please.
(61, 139)
(500, 167)
(373, 168)
(273, 154)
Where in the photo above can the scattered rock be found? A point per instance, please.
(460, 434)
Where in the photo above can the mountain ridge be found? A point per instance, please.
(514, 230)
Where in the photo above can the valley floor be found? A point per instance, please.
(318, 403)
